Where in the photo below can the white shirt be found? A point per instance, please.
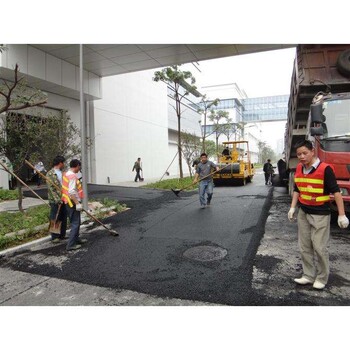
(59, 174)
(314, 165)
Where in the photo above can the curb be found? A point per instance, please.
(28, 245)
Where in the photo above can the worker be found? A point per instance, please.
(204, 168)
(314, 181)
(226, 151)
(72, 195)
(268, 171)
(58, 210)
(137, 168)
(39, 167)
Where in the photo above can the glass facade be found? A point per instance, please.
(268, 108)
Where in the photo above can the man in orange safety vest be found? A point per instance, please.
(72, 195)
(314, 181)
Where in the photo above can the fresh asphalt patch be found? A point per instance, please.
(149, 256)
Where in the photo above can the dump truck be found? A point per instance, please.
(319, 111)
(235, 165)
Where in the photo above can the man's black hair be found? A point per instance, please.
(57, 160)
(74, 163)
(305, 143)
(204, 154)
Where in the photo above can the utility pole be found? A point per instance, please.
(84, 169)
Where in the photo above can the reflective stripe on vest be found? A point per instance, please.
(311, 186)
(65, 187)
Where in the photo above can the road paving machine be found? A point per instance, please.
(236, 167)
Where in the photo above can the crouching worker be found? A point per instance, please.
(58, 211)
(72, 195)
(314, 181)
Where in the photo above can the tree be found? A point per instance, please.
(216, 117)
(210, 148)
(206, 106)
(17, 95)
(191, 148)
(229, 128)
(177, 80)
(265, 152)
(25, 136)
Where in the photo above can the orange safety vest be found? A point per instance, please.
(311, 186)
(65, 186)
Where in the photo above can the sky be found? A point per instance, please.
(258, 74)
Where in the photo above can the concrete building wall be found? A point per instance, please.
(47, 72)
(130, 122)
(190, 122)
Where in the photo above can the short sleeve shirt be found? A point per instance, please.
(204, 169)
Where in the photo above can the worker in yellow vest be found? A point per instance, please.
(72, 195)
(314, 181)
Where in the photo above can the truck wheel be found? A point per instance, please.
(343, 63)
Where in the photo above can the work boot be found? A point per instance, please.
(303, 280)
(74, 247)
(318, 285)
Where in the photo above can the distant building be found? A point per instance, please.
(248, 115)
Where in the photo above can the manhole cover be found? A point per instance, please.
(205, 253)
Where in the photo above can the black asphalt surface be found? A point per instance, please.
(159, 228)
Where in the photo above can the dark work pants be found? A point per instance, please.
(137, 175)
(75, 220)
(267, 175)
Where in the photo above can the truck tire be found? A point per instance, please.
(343, 63)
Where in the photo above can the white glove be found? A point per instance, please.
(79, 207)
(291, 214)
(343, 221)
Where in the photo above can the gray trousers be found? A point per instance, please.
(313, 238)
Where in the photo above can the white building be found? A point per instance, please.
(132, 118)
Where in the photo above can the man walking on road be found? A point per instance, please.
(268, 171)
(314, 181)
(137, 168)
(204, 168)
(72, 195)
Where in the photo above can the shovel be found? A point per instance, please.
(176, 192)
(112, 232)
(55, 225)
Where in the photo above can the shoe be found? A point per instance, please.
(62, 238)
(208, 202)
(74, 247)
(203, 206)
(55, 240)
(81, 241)
(302, 281)
(318, 285)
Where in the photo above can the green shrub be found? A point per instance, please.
(12, 222)
(112, 203)
(173, 184)
(6, 195)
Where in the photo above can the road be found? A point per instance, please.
(167, 247)
(239, 251)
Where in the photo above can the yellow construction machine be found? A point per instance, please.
(235, 164)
